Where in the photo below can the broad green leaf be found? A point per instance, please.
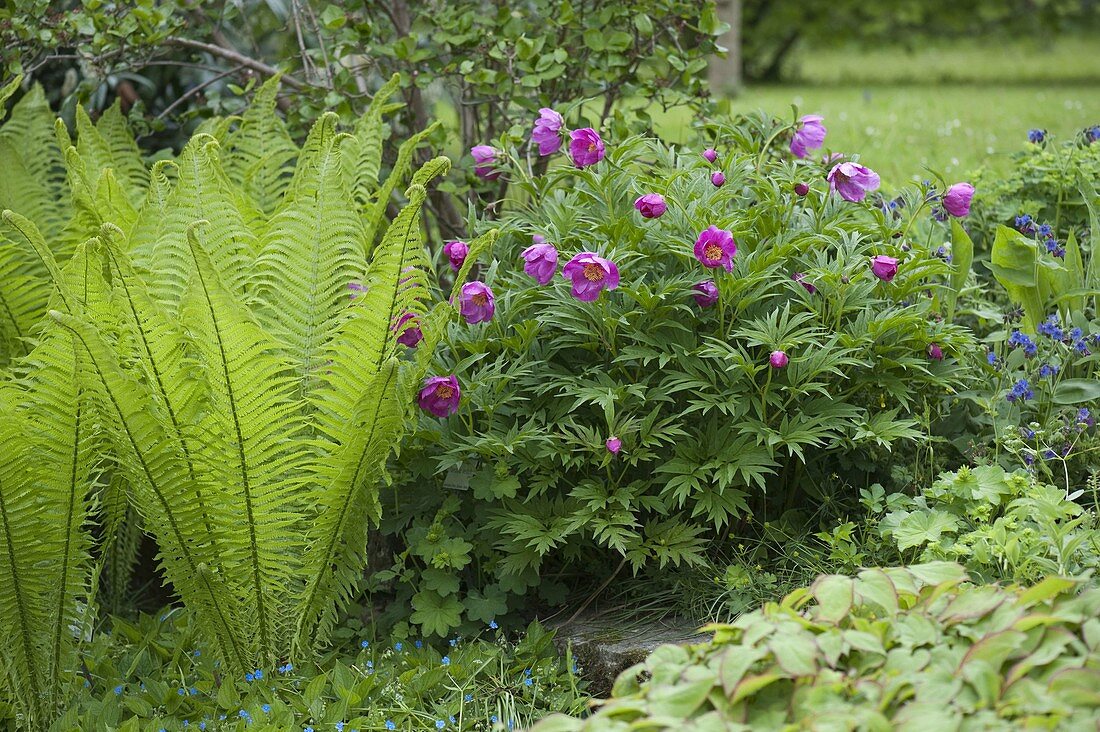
(834, 594)
(962, 255)
(1076, 391)
(924, 527)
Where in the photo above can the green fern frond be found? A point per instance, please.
(24, 294)
(363, 153)
(311, 253)
(144, 235)
(345, 496)
(118, 552)
(23, 616)
(375, 214)
(396, 283)
(202, 192)
(253, 449)
(161, 350)
(260, 153)
(29, 132)
(150, 462)
(113, 135)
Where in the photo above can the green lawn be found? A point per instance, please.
(951, 108)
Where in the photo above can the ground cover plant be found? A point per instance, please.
(886, 649)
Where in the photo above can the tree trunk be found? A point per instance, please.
(725, 73)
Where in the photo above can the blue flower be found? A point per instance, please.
(440, 724)
(528, 681)
(118, 690)
(1036, 136)
(181, 692)
(258, 674)
(1021, 390)
(446, 661)
(1050, 328)
(1024, 223)
(1092, 134)
(390, 724)
(419, 643)
(1020, 339)
(266, 708)
(249, 677)
(197, 653)
(1082, 347)
(243, 714)
(1047, 370)
(493, 625)
(194, 691)
(308, 729)
(453, 642)
(398, 646)
(1045, 230)
(287, 668)
(1027, 433)
(493, 719)
(339, 727)
(364, 644)
(451, 719)
(470, 697)
(202, 725)
(991, 357)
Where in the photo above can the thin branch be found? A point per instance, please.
(238, 58)
(196, 89)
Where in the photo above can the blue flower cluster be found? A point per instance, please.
(1021, 390)
(1018, 339)
(1036, 136)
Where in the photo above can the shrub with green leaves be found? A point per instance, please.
(1044, 182)
(222, 354)
(890, 649)
(522, 483)
(1002, 526)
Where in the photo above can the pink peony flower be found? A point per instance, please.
(586, 147)
(540, 261)
(706, 293)
(778, 359)
(800, 278)
(614, 444)
(710, 154)
(485, 158)
(476, 302)
(456, 252)
(651, 205)
(716, 248)
(547, 132)
(590, 274)
(809, 135)
(884, 267)
(935, 352)
(440, 396)
(718, 178)
(411, 335)
(852, 181)
(801, 189)
(957, 199)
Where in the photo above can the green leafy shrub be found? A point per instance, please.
(204, 362)
(156, 673)
(520, 485)
(1044, 182)
(1001, 526)
(904, 649)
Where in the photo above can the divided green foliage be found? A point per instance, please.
(904, 649)
(260, 152)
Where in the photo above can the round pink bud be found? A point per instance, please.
(883, 267)
(778, 359)
(710, 154)
(718, 178)
(935, 352)
(801, 189)
(614, 444)
(651, 205)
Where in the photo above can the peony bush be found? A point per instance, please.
(666, 358)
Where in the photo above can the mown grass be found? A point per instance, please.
(952, 108)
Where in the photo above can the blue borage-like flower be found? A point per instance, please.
(1021, 390)
(1052, 329)
(1019, 339)
(1047, 370)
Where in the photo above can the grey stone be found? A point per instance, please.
(604, 647)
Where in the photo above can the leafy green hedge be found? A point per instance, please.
(890, 649)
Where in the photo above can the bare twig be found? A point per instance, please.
(196, 89)
(236, 57)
